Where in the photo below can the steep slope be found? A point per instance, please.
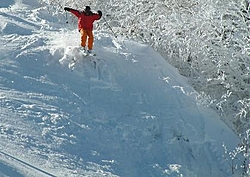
(130, 115)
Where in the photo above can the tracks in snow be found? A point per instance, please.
(13, 165)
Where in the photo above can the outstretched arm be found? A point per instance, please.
(73, 11)
(98, 15)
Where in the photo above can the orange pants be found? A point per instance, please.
(87, 34)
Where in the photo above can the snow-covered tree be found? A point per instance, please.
(239, 158)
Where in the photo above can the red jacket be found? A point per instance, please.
(85, 21)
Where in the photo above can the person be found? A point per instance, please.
(86, 19)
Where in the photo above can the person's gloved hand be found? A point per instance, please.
(99, 12)
(67, 8)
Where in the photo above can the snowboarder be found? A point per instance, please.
(86, 19)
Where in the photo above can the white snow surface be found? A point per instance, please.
(131, 115)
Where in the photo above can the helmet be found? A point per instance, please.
(87, 9)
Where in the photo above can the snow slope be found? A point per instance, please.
(133, 115)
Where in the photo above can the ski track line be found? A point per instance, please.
(27, 164)
(18, 20)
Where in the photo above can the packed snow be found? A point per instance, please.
(124, 112)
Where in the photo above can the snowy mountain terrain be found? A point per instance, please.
(125, 112)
